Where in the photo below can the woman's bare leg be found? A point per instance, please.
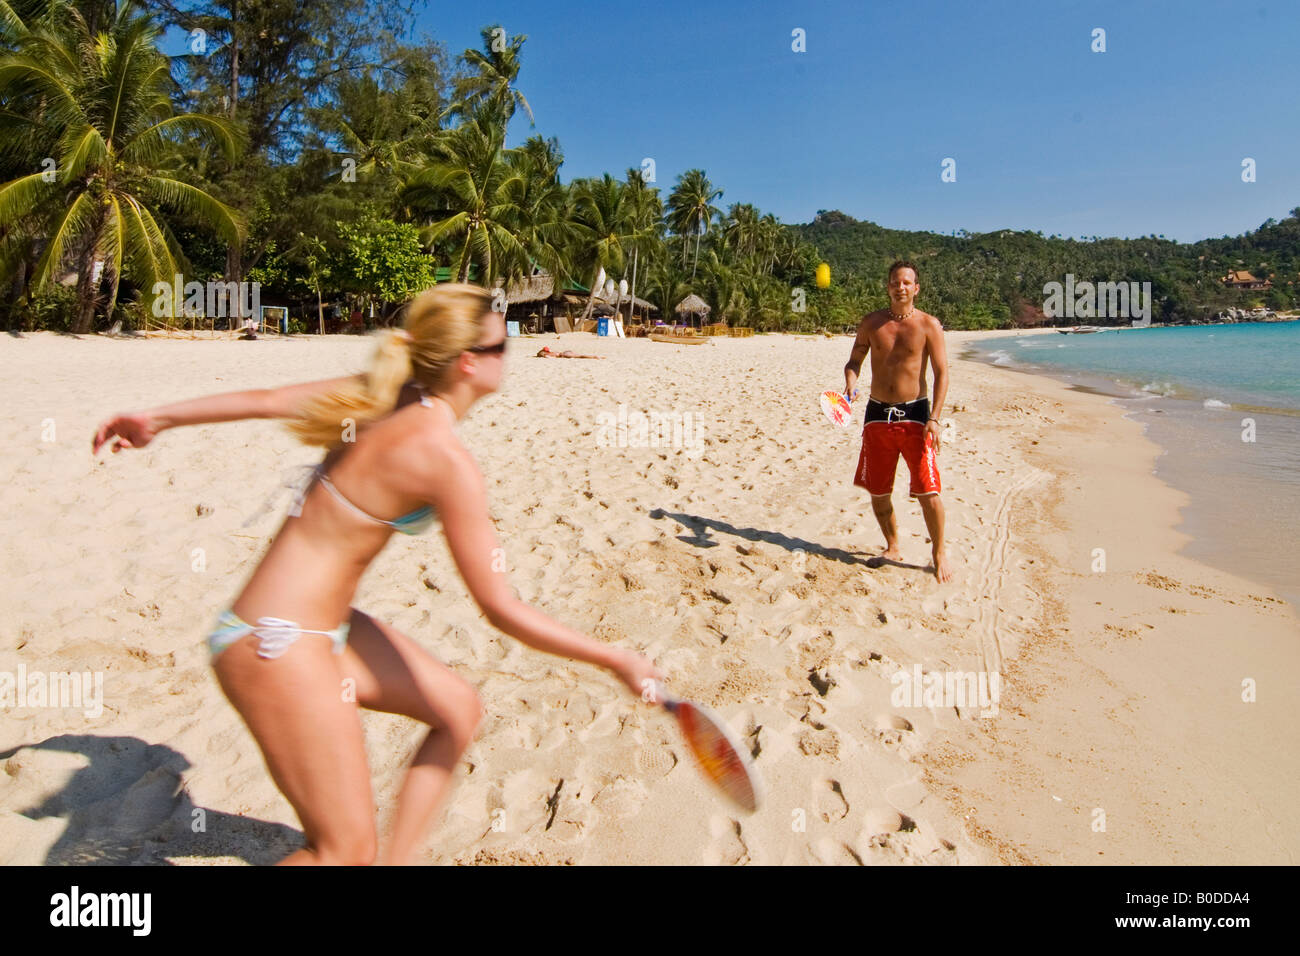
(395, 675)
(310, 735)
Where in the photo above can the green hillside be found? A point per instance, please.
(987, 280)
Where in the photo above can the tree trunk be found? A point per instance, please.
(636, 256)
(234, 265)
(86, 285)
(234, 58)
(698, 234)
(112, 296)
(320, 311)
(235, 273)
(16, 290)
(591, 298)
(463, 273)
(85, 312)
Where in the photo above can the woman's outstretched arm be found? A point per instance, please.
(137, 429)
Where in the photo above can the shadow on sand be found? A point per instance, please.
(127, 806)
(703, 526)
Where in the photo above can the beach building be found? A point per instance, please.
(692, 310)
(1241, 279)
(535, 302)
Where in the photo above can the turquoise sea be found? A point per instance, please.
(1223, 402)
(1254, 364)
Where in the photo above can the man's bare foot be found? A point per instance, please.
(892, 554)
(942, 569)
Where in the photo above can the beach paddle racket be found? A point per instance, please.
(836, 408)
(720, 757)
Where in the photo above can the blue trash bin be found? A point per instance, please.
(602, 326)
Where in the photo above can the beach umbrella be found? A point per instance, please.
(824, 276)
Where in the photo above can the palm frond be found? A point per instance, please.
(69, 227)
(194, 201)
(20, 197)
(149, 145)
(83, 147)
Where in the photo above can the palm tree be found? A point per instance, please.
(725, 285)
(469, 189)
(106, 95)
(772, 236)
(788, 252)
(742, 230)
(497, 69)
(691, 209)
(768, 301)
(665, 285)
(20, 17)
(603, 222)
(645, 212)
(20, 140)
(544, 157)
(380, 128)
(543, 226)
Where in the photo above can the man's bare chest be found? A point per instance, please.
(898, 346)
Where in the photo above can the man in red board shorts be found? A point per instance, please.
(900, 420)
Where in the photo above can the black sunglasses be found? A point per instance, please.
(499, 348)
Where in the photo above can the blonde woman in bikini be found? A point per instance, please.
(285, 647)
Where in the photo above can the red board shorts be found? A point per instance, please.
(882, 443)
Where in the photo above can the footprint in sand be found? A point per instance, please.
(829, 803)
(747, 730)
(226, 741)
(891, 730)
(603, 722)
(526, 734)
(655, 762)
(831, 852)
(886, 722)
(822, 742)
(889, 836)
(726, 845)
(881, 822)
(621, 798)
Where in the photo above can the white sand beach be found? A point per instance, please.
(739, 563)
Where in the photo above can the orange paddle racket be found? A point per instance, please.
(723, 761)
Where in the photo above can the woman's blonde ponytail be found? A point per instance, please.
(439, 325)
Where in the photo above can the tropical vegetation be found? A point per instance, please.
(310, 149)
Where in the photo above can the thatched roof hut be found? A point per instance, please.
(606, 306)
(527, 299)
(534, 289)
(626, 304)
(693, 306)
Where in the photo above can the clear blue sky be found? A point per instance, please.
(1047, 135)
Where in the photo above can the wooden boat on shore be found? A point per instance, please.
(1081, 330)
(678, 339)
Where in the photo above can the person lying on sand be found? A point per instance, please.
(547, 353)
